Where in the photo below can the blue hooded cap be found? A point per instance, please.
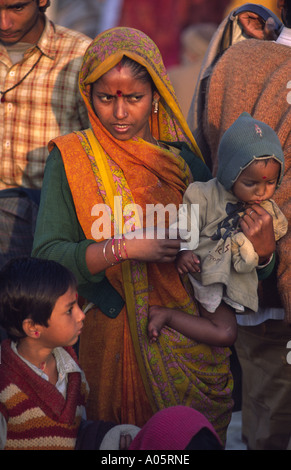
(246, 140)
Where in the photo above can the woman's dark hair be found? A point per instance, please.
(29, 288)
(138, 71)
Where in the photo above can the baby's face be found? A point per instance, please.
(258, 181)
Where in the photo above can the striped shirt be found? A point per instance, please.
(46, 104)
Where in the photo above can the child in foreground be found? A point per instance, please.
(223, 266)
(43, 390)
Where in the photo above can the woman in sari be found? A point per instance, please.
(98, 188)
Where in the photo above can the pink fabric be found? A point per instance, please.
(171, 429)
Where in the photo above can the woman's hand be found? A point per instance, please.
(257, 225)
(152, 245)
(149, 245)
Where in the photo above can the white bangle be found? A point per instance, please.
(104, 248)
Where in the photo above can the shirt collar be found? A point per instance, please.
(47, 41)
(285, 37)
(65, 362)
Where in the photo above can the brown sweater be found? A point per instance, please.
(253, 76)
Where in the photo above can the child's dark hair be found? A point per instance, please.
(29, 288)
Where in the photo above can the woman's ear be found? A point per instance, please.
(156, 96)
(156, 99)
(31, 329)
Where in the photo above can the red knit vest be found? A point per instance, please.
(38, 416)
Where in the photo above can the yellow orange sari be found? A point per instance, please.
(130, 378)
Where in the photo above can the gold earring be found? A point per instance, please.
(156, 106)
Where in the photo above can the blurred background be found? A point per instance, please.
(181, 28)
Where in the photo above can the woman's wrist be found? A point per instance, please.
(114, 250)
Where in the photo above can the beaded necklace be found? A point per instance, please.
(3, 93)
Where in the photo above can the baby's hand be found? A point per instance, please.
(157, 319)
(187, 262)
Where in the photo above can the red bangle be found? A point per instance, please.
(119, 248)
(113, 249)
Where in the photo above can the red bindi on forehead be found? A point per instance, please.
(119, 93)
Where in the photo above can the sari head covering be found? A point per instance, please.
(107, 50)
